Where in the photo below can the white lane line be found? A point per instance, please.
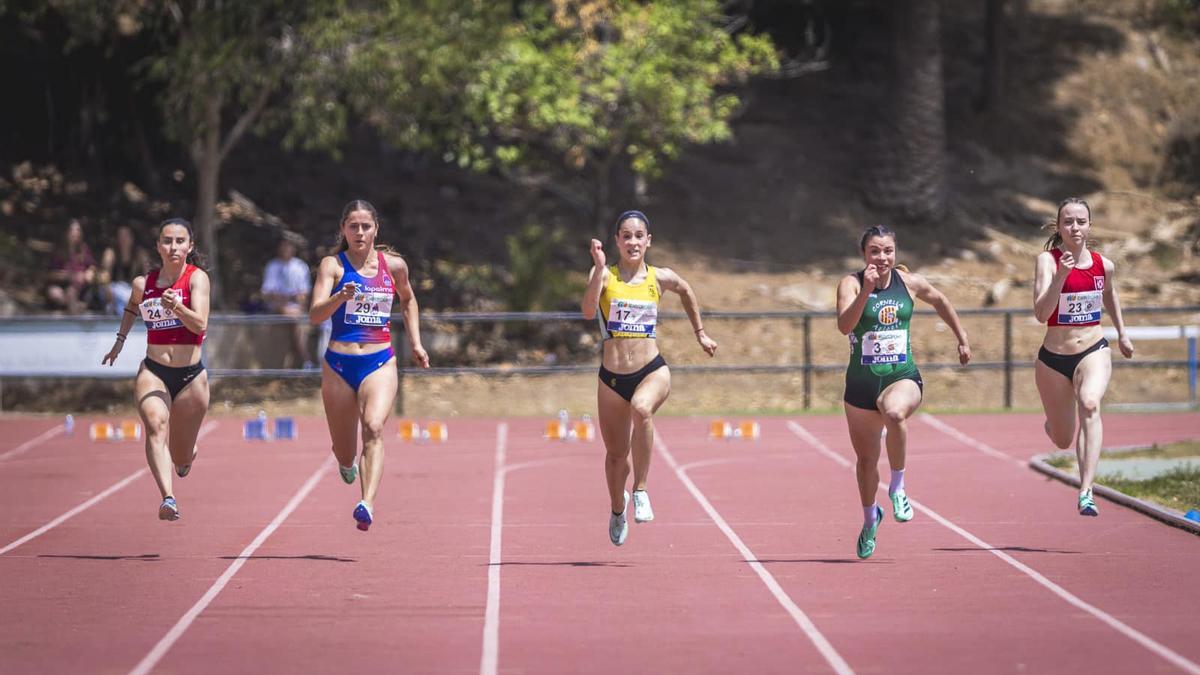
(491, 622)
(75, 511)
(93, 501)
(967, 440)
(164, 645)
(834, 659)
(32, 443)
(1116, 624)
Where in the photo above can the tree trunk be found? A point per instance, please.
(206, 155)
(912, 180)
(993, 60)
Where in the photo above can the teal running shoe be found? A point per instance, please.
(866, 538)
(349, 473)
(901, 509)
(1087, 506)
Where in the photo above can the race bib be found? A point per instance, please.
(884, 346)
(369, 309)
(157, 316)
(1075, 308)
(633, 316)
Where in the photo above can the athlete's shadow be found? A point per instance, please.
(311, 556)
(145, 557)
(563, 563)
(1016, 549)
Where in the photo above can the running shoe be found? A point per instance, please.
(349, 473)
(866, 538)
(618, 527)
(1087, 506)
(182, 470)
(168, 510)
(362, 514)
(642, 513)
(901, 509)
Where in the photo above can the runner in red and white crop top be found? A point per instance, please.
(1080, 301)
(163, 326)
(1073, 287)
(171, 386)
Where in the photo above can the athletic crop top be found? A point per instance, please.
(629, 310)
(1081, 300)
(367, 317)
(880, 343)
(163, 327)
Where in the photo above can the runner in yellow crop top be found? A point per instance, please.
(634, 378)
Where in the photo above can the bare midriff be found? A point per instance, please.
(1067, 340)
(628, 355)
(175, 356)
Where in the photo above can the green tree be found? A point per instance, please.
(226, 67)
(579, 97)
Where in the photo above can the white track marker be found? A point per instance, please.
(834, 659)
(1116, 624)
(164, 645)
(91, 502)
(967, 440)
(490, 660)
(33, 442)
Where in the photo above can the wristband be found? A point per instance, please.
(121, 337)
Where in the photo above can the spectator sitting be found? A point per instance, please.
(285, 287)
(72, 276)
(119, 264)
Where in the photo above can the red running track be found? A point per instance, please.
(748, 567)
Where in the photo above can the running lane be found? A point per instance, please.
(51, 476)
(407, 596)
(676, 598)
(97, 592)
(1122, 564)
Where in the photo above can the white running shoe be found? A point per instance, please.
(618, 526)
(642, 513)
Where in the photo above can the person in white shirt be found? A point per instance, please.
(286, 281)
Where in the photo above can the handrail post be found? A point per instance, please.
(807, 361)
(1008, 360)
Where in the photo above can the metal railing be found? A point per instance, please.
(804, 320)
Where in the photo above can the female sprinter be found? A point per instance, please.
(883, 385)
(358, 378)
(171, 388)
(1070, 285)
(634, 378)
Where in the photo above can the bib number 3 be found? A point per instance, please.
(884, 346)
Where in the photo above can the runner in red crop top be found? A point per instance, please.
(1073, 286)
(171, 389)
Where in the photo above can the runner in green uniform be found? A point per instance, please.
(883, 385)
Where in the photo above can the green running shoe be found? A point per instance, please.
(1087, 506)
(901, 509)
(866, 538)
(349, 473)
